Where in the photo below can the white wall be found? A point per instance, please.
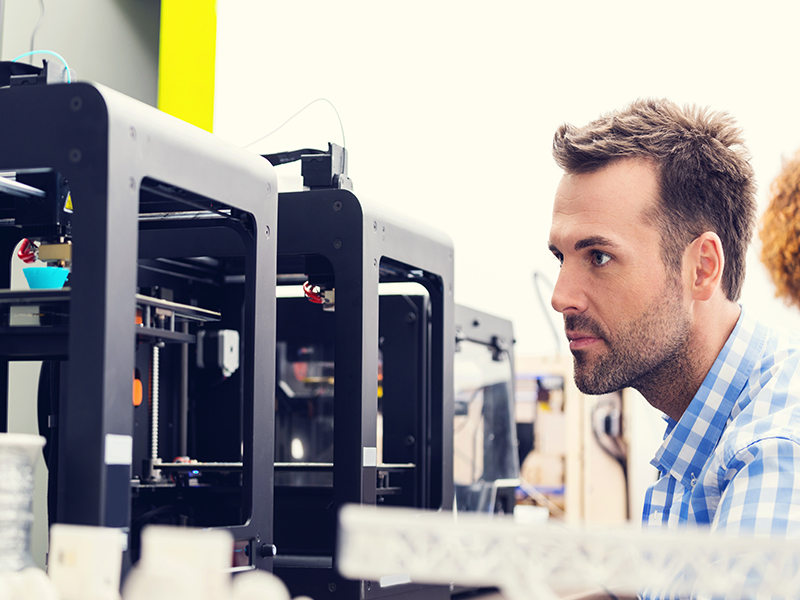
(449, 107)
(113, 42)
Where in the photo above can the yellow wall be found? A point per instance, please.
(186, 60)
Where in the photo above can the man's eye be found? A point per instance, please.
(559, 257)
(600, 258)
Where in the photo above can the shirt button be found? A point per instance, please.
(694, 480)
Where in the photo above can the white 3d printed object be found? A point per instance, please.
(531, 561)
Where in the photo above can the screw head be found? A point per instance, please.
(75, 155)
(268, 550)
(76, 103)
(337, 243)
(337, 206)
(267, 231)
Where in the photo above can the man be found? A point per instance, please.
(651, 224)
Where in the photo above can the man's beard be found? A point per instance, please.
(645, 350)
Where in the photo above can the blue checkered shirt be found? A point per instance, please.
(732, 462)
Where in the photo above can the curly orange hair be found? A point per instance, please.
(780, 233)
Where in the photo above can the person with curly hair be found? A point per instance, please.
(780, 233)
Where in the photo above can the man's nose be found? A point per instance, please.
(569, 293)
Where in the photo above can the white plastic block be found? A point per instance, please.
(85, 562)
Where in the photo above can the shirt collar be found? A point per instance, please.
(689, 442)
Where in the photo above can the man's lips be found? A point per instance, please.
(581, 341)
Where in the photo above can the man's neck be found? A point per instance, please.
(671, 387)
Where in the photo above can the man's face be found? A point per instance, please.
(624, 314)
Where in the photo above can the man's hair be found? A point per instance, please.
(705, 182)
(780, 232)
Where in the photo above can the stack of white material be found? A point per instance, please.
(19, 579)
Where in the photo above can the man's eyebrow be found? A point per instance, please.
(594, 240)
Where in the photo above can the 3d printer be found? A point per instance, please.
(153, 218)
(177, 389)
(364, 380)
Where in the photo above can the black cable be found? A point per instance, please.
(620, 456)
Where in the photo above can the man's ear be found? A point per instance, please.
(705, 262)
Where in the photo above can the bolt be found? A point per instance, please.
(375, 226)
(331, 587)
(75, 155)
(337, 243)
(267, 231)
(411, 317)
(410, 440)
(76, 103)
(337, 206)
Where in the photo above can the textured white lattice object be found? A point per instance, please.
(530, 561)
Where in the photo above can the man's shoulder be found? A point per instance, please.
(779, 354)
(768, 406)
(759, 359)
